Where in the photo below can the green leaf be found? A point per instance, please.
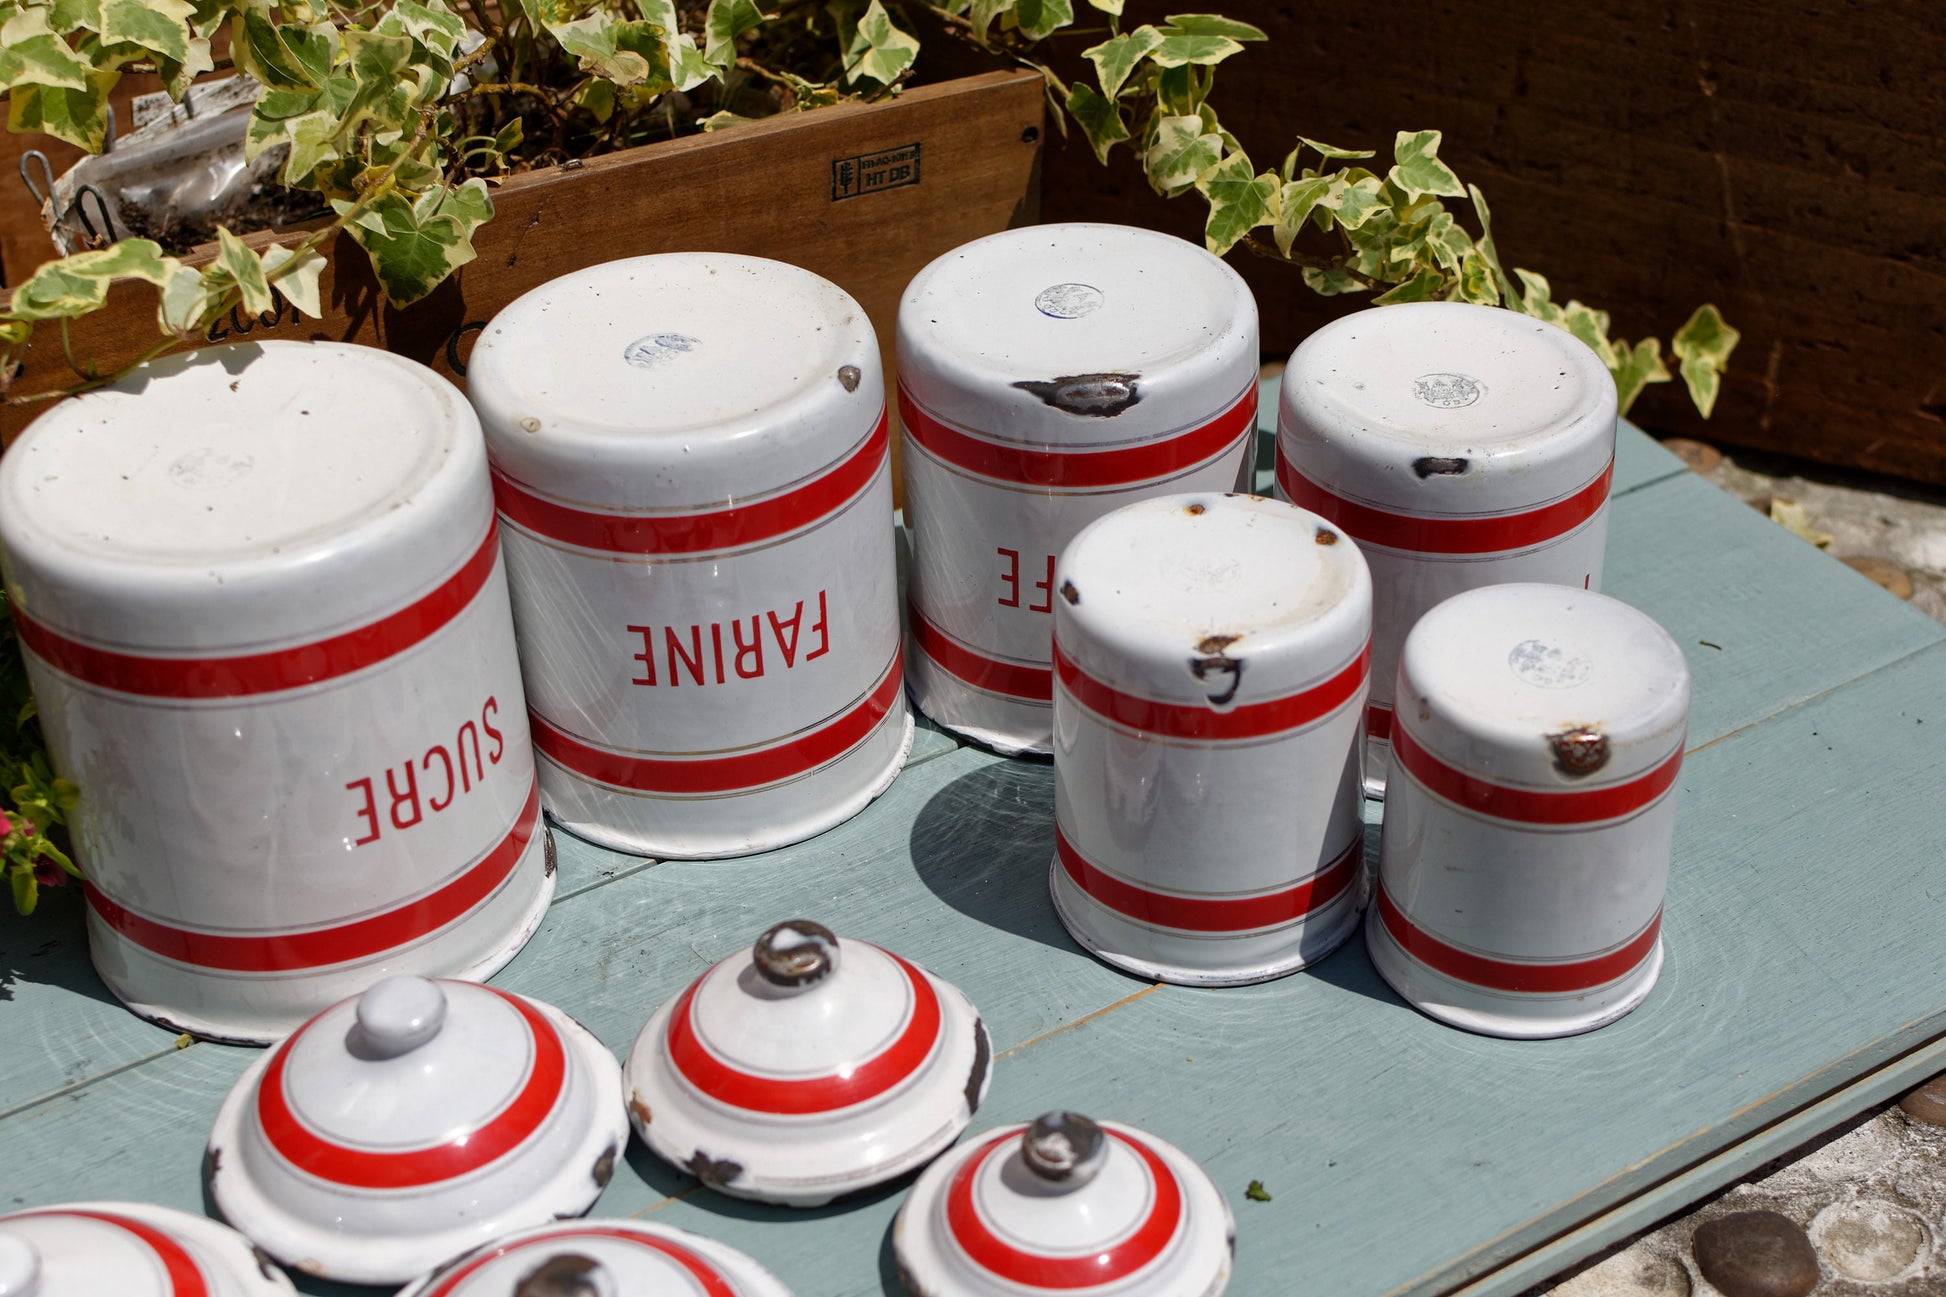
(79, 284)
(1352, 197)
(26, 891)
(1100, 120)
(1239, 201)
(1295, 204)
(1591, 326)
(1417, 169)
(313, 141)
(1180, 51)
(1490, 254)
(1108, 6)
(415, 246)
(1330, 283)
(1214, 25)
(1422, 287)
(432, 24)
(295, 275)
(189, 298)
(1115, 59)
(282, 57)
(32, 54)
(1040, 19)
(724, 23)
(1180, 152)
(161, 26)
(78, 116)
(1536, 298)
(1333, 151)
(879, 50)
(598, 43)
(1636, 368)
(177, 74)
(1703, 346)
(982, 14)
(72, 15)
(1476, 283)
(246, 271)
(688, 67)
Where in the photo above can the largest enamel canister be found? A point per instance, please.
(1460, 446)
(1047, 376)
(690, 456)
(265, 617)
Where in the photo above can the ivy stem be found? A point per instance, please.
(1256, 243)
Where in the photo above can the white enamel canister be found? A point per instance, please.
(601, 1258)
(1064, 1205)
(1046, 376)
(1210, 661)
(1526, 846)
(1460, 446)
(129, 1249)
(266, 620)
(691, 463)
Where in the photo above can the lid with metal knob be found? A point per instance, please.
(807, 1068)
(129, 1249)
(403, 1126)
(600, 1258)
(1064, 1204)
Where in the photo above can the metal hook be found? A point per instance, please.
(96, 238)
(47, 175)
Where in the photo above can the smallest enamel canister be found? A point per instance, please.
(1531, 810)
(599, 1258)
(129, 1249)
(1460, 446)
(1211, 661)
(1065, 1204)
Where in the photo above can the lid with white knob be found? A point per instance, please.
(129, 1249)
(807, 1067)
(600, 1258)
(1064, 1204)
(403, 1126)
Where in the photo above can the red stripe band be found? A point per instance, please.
(1378, 721)
(262, 673)
(808, 1095)
(707, 1276)
(704, 531)
(1531, 805)
(457, 1155)
(1077, 469)
(1490, 535)
(1206, 914)
(1568, 977)
(1246, 721)
(969, 666)
(185, 1277)
(374, 935)
(796, 755)
(1150, 1238)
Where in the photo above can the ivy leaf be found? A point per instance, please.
(1108, 6)
(189, 298)
(32, 54)
(282, 57)
(178, 74)
(72, 15)
(1490, 254)
(1352, 197)
(1476, 282)
(432, 24)
(688, 66)
(160, 26)
(1177, 51)
(1040, 19)
(78, 116)
(1417, 169)
(1239, 201)
(1536, 296)
(1213, 25)
(1422, 287)
(415, 246)
(246, 271)
(1180, 152)
(1634, 369)
(600, 44)
(1100, 120)
(982, 14)
(1332, 150)
(723, 24)
(295, 274)
(1703, 346)
(879, 51)
(1115, 59)
(78, 284)
(1330, 283)
(1295, 204)
(380, 64)
(1591, 326)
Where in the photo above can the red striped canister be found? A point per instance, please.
(1046, 376)
(1210, 666)
(1460, 446)
(690, 457)
(1532, 806)
(265, 616)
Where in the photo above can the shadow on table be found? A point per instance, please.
(1348, 967)
(982, 845)
(49, 946)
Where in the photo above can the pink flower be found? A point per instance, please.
(6, 826)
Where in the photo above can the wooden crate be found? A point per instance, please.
(864, 195)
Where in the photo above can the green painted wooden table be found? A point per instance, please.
(1803, 980)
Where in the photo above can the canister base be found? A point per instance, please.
(274, 1021)
(1010, 728)
(1321, 936)
(567, 798)
(1490, 1013)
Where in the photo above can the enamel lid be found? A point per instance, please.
(1212, 598)
(1544, 685)
(1069, 1205)
(408, 1124)
(1447, 408)
(251, 494)
(129, 1249)
(807, 1067)
(601, 1258)
(677, 381)
(1078, 335)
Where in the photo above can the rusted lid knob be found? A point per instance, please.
(20, 1266)
(568, 1274)
(796, 953)
(400, 1014)
(1064, 1148)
